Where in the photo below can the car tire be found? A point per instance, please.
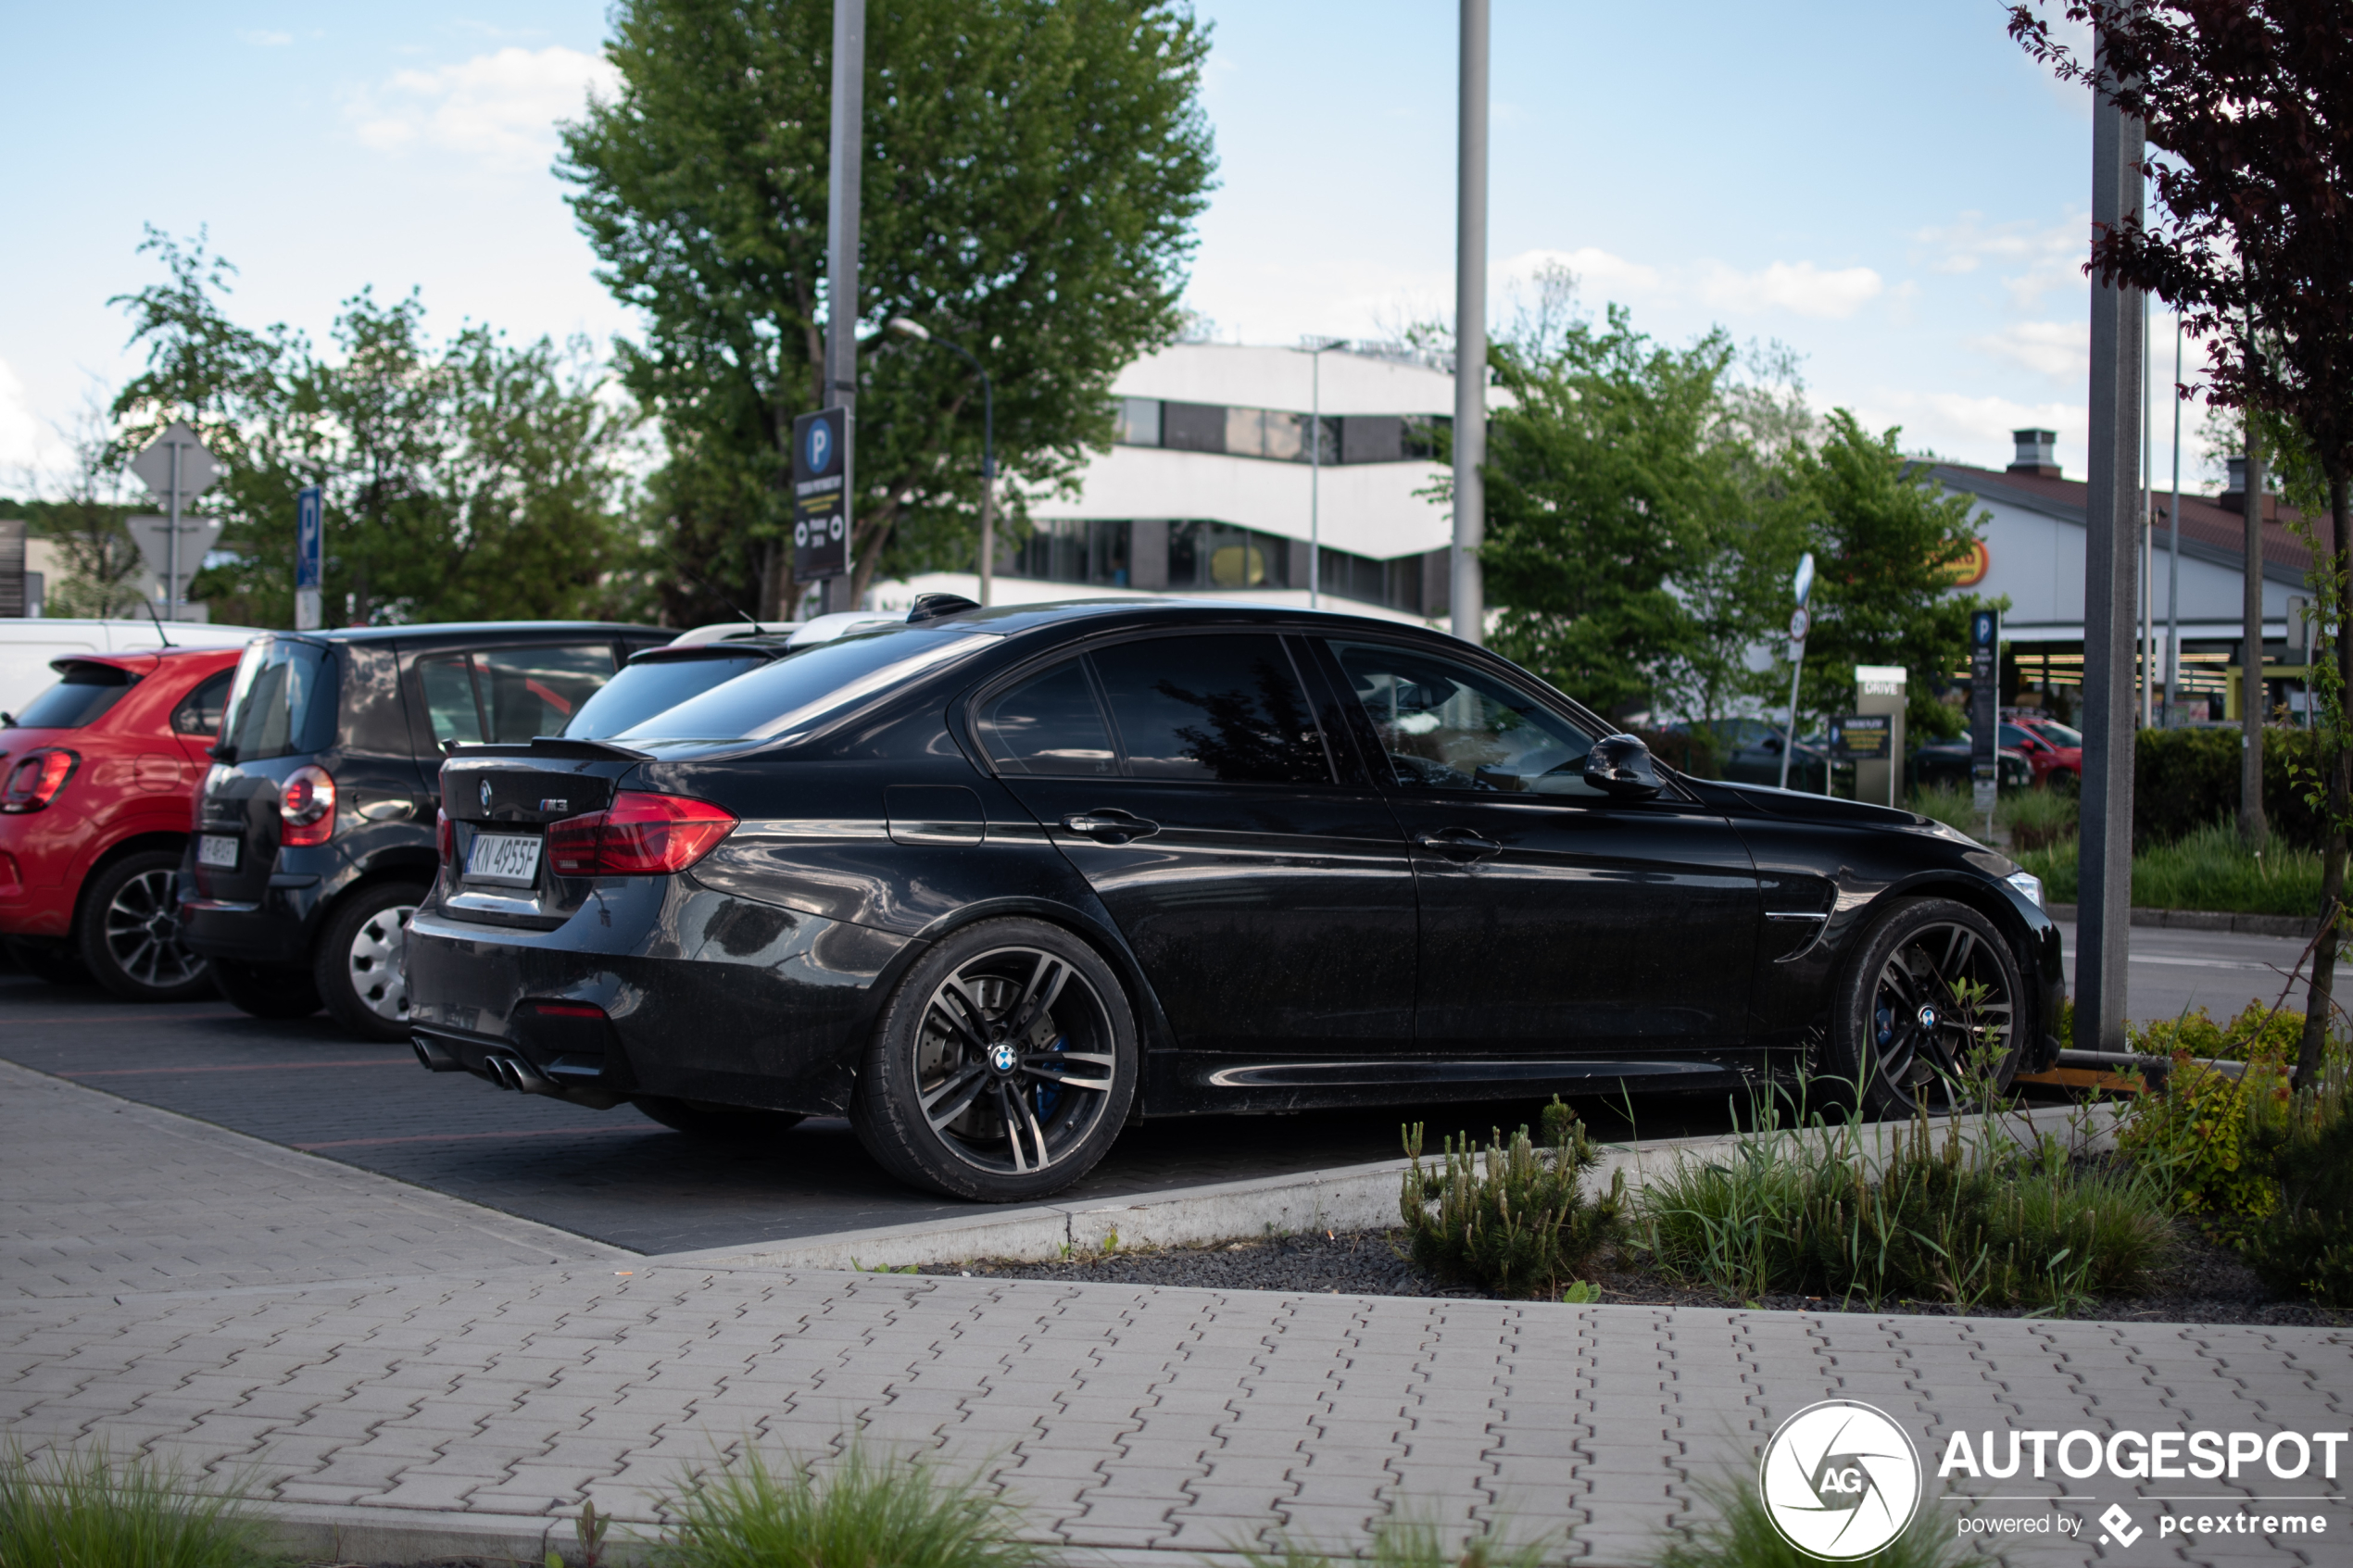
(266, 990)
(740, 1125)
(50, 959)
(128, 935)
(1898, 1035)
(965, 1090)
(356, 966)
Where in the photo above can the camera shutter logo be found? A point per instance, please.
(1839, 1480)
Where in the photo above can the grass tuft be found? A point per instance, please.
(88, 1510)
(2205, 869)
(855, 1512)
(1741, 1536)
(1410, 1541)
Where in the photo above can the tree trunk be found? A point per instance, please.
(2253, 830)
(2320, 997)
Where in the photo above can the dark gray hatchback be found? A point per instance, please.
(313, 837)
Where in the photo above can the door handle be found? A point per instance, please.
(1459, 844)
(1109, 826)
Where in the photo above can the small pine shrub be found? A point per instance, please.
(90, 1511)
(861, 1511)
(1511, 1221)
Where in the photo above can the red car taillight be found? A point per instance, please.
(445, 839)
(307, 806)
(640, 835)
(36, 779)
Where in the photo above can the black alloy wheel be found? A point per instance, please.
(358, 967)
(266, 990)
(1933, 1011)
(742, 1125)
(129, 938)
(1004, 1066)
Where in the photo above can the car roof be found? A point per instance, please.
(491, 631)
(1011, 620)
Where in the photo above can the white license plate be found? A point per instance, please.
(509, 859)
(218, 850)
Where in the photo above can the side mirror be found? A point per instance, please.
(1620, 766)
(1771, 743)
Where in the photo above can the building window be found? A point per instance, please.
(1070, 549)
(1212, 555)
(1275, 434)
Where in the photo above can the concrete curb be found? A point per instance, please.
(1350, 1197)
(2301, 926)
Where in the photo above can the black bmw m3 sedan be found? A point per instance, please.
(997, 881)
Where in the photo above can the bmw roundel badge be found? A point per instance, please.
(485, 795)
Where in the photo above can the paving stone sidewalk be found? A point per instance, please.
(496, 1393)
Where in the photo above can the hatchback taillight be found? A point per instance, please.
(307, 806)
(445, 839)
(36, 779)
(640, 834)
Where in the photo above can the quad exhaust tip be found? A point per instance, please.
(513, 1072)
(432, 1056)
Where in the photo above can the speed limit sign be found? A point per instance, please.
(1799, 623)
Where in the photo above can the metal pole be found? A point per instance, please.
(1789, 736)
(1316, 480)
(2145, 540)
(988, 484)
(2173, 530)
(2253, 827)
(2105, 870)
(841, 271)
(1467, 600)
(171, 542)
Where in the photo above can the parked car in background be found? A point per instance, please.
(1749, 751)
(995, 883)
(314, 835)
(2053, 750)
(97, 775)
(28, 648)
(1951, 763)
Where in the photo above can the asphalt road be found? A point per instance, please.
(615, 1176)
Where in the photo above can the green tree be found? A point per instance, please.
(1605, 491)
(1031, 171)
(1886, 538)
(470, 478)
(101, 571)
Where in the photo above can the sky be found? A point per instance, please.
(1895, 193)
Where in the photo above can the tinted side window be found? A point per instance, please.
(449, 698)
(1445, 725)
(81, 697)
(200, 711)
(1226, 707)
(283, 701)
(1050, 725)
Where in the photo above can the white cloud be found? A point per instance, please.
(263, 39)
(500, 109)
(1600, 275)
(1800, 288)
(1973, 430)
(2037, 257)
(27, 445)
(2054, 348)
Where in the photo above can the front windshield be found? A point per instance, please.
(653, 685)
(2058, 734)
(792, 698)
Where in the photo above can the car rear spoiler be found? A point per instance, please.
(548, 745)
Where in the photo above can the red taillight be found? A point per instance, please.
(36, 779)
(445, 839)
(564, 1009)
(307, 806)
(640, 834)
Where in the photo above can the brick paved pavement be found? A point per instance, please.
(1132, 1420)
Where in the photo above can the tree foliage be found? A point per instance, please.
(1031, 170)
(466, 479)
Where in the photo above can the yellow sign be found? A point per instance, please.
(1970, 570)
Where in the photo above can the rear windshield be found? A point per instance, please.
(283, 701)
(83, 695)
(792, 697)
(652, 685)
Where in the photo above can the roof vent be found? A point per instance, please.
(2037, 453)
(931, 607)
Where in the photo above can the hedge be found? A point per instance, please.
(2185, 779)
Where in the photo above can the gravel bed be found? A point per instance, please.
(2205, 1283)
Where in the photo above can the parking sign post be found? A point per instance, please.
(309, 526)
(820, 496)
(1985, 711)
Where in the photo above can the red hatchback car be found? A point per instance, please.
(2053, 750)
(99, 778)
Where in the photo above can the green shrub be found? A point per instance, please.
(2256, 1030)
(90, 1511)
(2184, 780)
(862, 1510)
(1742, 1535)
(1952, 806)
(2197, 1130)
(1513, 1223)
(1990, 1222)
(2036, 818)
(2306, 1246)
(2207, 869)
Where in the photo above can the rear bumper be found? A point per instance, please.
(273, 930)
(708, 997)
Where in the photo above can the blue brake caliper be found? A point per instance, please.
(1048, 1096)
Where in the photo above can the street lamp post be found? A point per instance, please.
(921, 334)
(1315, 470)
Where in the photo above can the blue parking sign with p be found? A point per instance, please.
(310, 523)
(1981, 628)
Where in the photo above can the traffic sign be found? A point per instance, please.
(311, 527)
(1985, 696)
(1799, 624)
(154, 536)
(192, 475)
(820, 504)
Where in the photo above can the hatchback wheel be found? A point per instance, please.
(1933, 1011)
(129, 938)
(1004, 1066)
(359, 967)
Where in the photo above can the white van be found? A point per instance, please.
(27, 647)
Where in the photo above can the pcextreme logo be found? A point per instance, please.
(1839, 1480)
